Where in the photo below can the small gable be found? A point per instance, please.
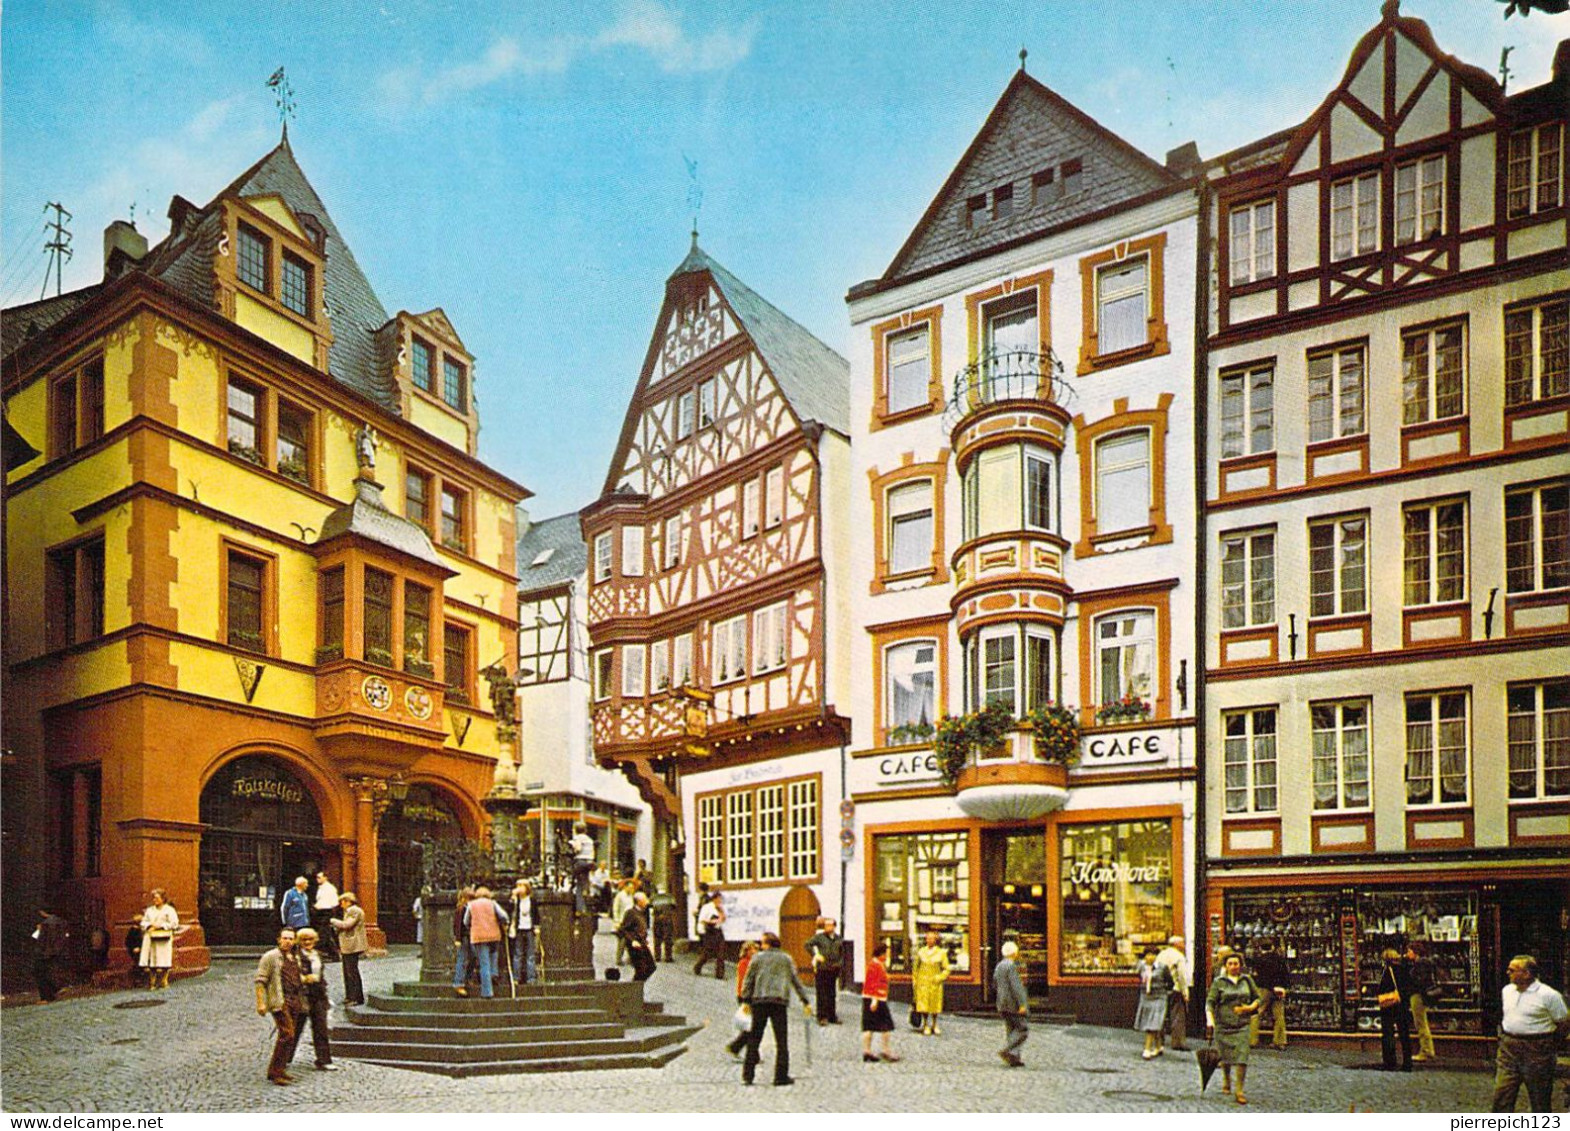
(698, 323)
(273, 207)
(440, 326)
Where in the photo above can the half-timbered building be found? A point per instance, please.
(1388, 607)
(715, 679)
(1024, 526)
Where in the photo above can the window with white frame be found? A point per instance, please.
(1340, 754)
(1433, 376)
(632, 551)
(681, 660)
(749, 508)
(768, 638)
(686, 413)
(1434, 552)
(1248, 412)
(1252, 249)
(761, 834)
(1537, 352)
(770, 809)
(1011, 339)
(604, 665)
(997, 672)
(659, 666)
(910, 527)
(908, 364)
(602, 556)
(707, 392)
(1126, 656)
(730, 649)
(1354, 216)
(1013, 665)
(1537, 538)
(1122, 305)
(1437, 748)
(711, 833)
(804, 839)
(738, 836)
(1420, 199)
(1250, 754)
(910, 672)
(1336, 394)
(773, 497)
(673, 541)
(1009, 488)
(1248, 579)
(1338, 566)
(1535, 170)
(1123, 482)
(1538, 737)
(1039, 499)
(634, 657)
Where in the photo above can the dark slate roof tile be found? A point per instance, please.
(19, 323)
(568, 558)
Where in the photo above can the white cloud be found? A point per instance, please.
(657, 30)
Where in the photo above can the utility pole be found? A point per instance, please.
(59, 248)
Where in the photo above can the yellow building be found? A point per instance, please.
(253, 576)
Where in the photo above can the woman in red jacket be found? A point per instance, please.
(748, 949)
(875, 1015)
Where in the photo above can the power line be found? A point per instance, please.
(24, 283)
(21, 268)
(59, 247)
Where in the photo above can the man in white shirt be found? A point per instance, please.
(711, 919)
(1173, 958)
(323, 908)
(582, 845)
(1534, 1023)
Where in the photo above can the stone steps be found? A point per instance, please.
(565, 1064)
(596, 1029)
(638, 1042)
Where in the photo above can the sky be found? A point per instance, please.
(532, 168)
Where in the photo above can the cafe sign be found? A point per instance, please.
(894, 769)
(1125, 748)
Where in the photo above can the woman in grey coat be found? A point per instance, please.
(1232, 1000)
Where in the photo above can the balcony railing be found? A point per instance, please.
(1002, 376)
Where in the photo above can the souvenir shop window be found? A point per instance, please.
(923, 883)
(1116, 885)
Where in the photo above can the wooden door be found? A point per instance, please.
(799, 912)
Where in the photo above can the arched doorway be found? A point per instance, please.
(263, 830)
(426, 814)
(799, 912)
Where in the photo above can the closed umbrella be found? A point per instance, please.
(1209, 1060)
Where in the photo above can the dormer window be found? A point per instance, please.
(1045, 188)
(1003, 202)
(295, 291)
(455, 384)
(252, 258)
(976, 211)
(1073, 176)
(422, 365)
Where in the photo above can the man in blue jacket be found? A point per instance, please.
(1013, 1005)
(295, 910)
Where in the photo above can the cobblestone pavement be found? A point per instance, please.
(204, 1049)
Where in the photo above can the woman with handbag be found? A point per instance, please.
(1395, 1012)
(875, 1015)
(743, 1018)
(159, 925)
(1155, 983)
(931, 971)
(1232, 1000)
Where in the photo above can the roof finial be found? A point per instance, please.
(1390, 9)
(694, 237)
(283, 98)
(1022, 54)
(694, 196)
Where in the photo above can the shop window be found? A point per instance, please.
(378, 619)
(1248, 418)
(422, 365)
(1438, 744)
(673, 541)
(1126, 658)
(1420, 199)
(1354, 216)
(1433, 378)
(1251, 253)
(604, 665)
(417, 631)
(804, 835)
(910, 528)
(74, 593)
(1538, 736)
(1534, 170)
(1336, 395)
(295, 284)
(293, 454)
(1338, 567)
(455, 384)
(634, 661)
(1340, 754)
(245, 612)
(1250, 756)
(251, 262)
(332, 606)
(1248, 579)
(417, 498)
(1537, 352)
(922, 883)
(1123, 482)
(739, 858)
(1117, 889)
(455, 518)
(1434, 550)
(245, 421)
(770, 811)
(773, 497)
(632, 551)
(1537, 538)
(769, 628)
(729, 649)
(909, 684)
(602, 557)
(711, 836)
(681, 660)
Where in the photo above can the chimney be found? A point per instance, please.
(1183, 160)
(123, 246)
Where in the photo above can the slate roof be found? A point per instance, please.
(569, 559)
(368, 517)
(22, 322)
(1030, 129)
(813, 378)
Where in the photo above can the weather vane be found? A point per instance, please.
(694, 194)
(283, 96)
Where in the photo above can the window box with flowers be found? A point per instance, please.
(910, 734)
(246, 452)
(1129, 709)
(293, 467)
(327, 653)
(1057, 733)
(960, 738)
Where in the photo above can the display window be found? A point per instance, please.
(922, 884)
(1116, 884)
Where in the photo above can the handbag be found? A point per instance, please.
(1389, 1000)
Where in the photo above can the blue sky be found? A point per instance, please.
(524, 166)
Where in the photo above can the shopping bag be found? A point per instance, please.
(742, 1021)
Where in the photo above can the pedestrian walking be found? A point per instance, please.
(1233, 998)
(1272, 974)
(1177, 964)
(620, 905)
(1013, 1005)
(748, 949)
(664, 926)
(520, 929)
(1533, 1024)
(133, 950)
(51, 939)
(824, 950)
(711, 937)
(352, 945)
(633, 933)
(159, 924)
(280, 991)
(1155, 986)
(582, 848)
(313, 976)
(484, 920)
(1425, 992)
(294, 910)
(875, 1015)
(771, 976)
(324, 906)
(463, 956)
(930, 972)
(1395, 1014)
